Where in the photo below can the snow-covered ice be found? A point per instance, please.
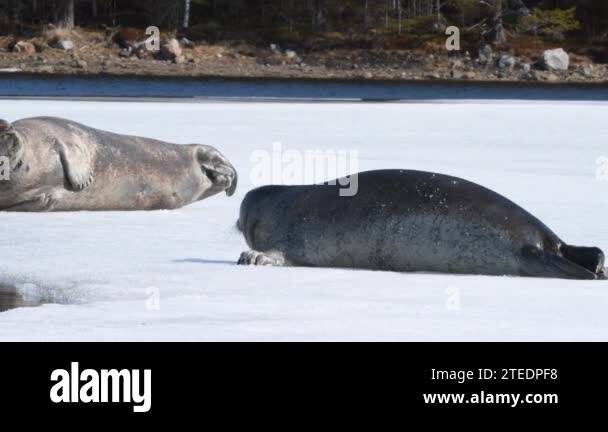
(102, 275)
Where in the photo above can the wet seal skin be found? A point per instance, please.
(407, 221)
(59, 165)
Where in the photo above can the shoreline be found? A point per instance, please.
(248, 88)
(323, 79)
(93, 55)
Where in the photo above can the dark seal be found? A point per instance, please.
(407, 221)
(52, 164)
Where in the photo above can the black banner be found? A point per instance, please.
(158, 380)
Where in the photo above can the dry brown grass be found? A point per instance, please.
(6, 42)
(52, 35)
(527, 46)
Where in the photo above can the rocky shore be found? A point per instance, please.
(84, 53)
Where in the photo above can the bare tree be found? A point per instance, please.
(186, 22)
(386, 7)
(318, 15)
(499, 35)
(400, 14)
(64, 13)
(438, 13)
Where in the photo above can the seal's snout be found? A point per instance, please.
(222, 175)
(233, 179)
(217, 169)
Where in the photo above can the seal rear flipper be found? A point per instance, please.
(77, 164)
(591, 258)
(538, 263)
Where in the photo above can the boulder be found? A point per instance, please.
(24, 47)
(46, 69)
(506, 61)
(66, 45)
(292, 56)
(141, 52)
(545, 76)
(486, 55)
(556, 60)
(457, 64)
(456, 74)
(186, 43)
(79, 64)
(170, 50)
(587, 70)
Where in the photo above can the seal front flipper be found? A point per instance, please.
(77, 164)
(252, 257)
(538, 263)
(44, 202)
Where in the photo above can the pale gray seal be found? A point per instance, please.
(408, 221)
(59, 165)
